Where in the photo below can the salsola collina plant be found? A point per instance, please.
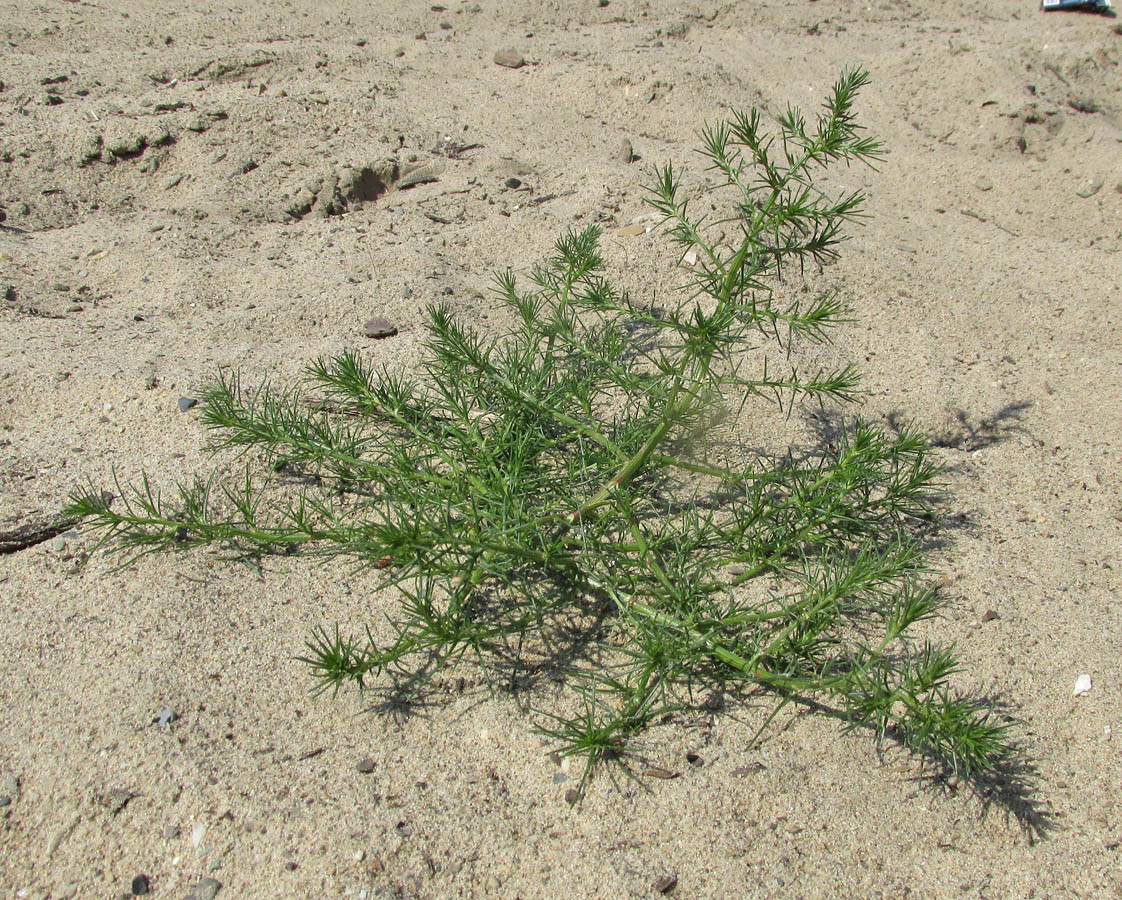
(550, 494)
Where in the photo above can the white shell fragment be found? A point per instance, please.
(1082, 685)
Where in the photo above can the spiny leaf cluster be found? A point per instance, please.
(545, 499)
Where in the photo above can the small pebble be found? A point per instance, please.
(171, 832)
(1082, 686)
(186, 403)
(989, 615)
(513, 183)
(664, 884)
(117, 799)
(11, 785)
(5, 801)
(511, 59)
(243, 167)
(140, 885)
(1090, 187)
(379, 328)
(207, 888)
(625, 153)
(984, 183)
(166, 717)
(560, 777)
(571, 796)
(365, 766)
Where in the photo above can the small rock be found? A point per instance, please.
(989, 615)
(186, 403)
(984, 183)
(560, 777)
(513, 183)
(379, 328)
(1090, 187)
(1082, 686)
(117, 799)
(126, 143)
(166, 717)
(365, 766)
(68, 890)
(244, 166)
(572, 795)
(492, 885)
(158, 135)
(625, 153)
(511, 59)
(171, 832)
(89, 148)
(207, 889)
(301, 204)
(694, 759)
(659, 772)
(140, 885)
(5, 801)
(664, 884)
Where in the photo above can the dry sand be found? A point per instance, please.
(155, 158)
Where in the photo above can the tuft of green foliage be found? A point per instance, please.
(546, 496)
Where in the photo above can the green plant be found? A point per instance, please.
(547, 495)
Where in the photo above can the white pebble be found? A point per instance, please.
(360, 855)
(197, 834)
(1082, 685)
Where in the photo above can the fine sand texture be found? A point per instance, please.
(188, 187)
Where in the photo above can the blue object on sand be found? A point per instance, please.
(1079, 5)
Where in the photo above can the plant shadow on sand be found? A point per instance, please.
(1012, 786)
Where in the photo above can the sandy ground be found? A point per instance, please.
(180, 189)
